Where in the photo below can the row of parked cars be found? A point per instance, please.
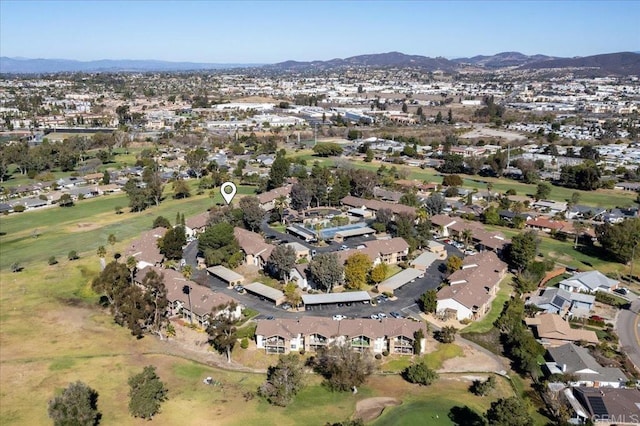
(378, 316)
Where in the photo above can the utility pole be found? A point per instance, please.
(187, 290)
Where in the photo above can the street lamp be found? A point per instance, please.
(187, 290)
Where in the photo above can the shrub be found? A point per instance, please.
(244, 343)
(19, 208)
(52, 260)
(302, 351)
(73, 255)
(385, 353)
(419, 373)
(465, 321)
(378, 356)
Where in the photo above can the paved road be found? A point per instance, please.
(627, 329)
(407, 296)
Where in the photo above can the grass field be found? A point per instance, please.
(447, 402)
(599, 198)
(86, 226)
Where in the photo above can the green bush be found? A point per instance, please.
(244, 343)
(52, 260)
(19, 208)
(385, 353)
(378, 356)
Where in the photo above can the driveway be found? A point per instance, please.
(628, 333)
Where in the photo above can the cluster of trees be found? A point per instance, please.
(584, 176)
(146, 193)
(420, 373)
(342, 368)
(519, 343)
(327, 149)
(219, 245)
(620, 240)
(326, 271)
(141, 308)
(78, 403)
(222, 329)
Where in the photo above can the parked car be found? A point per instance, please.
(270, 317)
(344, 247)
(313, 253)
(239, 288)
(374, 316)
(622, 290)
(339, 317)
(285, 306)
(396, 315)
(382, 315)
(470, 252)
(365, 302)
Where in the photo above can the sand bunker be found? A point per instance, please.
(371, 408)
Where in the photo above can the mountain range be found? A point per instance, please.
(622, 63)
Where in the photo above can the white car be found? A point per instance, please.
(375, 317)
(382, 315)
(339, 317)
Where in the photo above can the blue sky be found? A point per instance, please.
(268, 32)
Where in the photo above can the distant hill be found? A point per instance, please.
(622, 63)
(503, 59)
(378, 60)
(26, 65)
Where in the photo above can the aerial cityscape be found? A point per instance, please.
(319, 213)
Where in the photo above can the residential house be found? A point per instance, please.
(196, 225)
(375, 205)
(604, 406)
(472, 288)
(552, 330)
(585, 212)
(268, 199)
(191, 301)
(301, 251)
(256, 250)
(298, 275)
(555, 300)
(145, 249)
(578, 362)
(387, 195)
(546, 225)
(589, 282)
(397, 336)
(442, 223)
(549, 206)
(389, 251)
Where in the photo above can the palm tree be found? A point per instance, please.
(102, 252)
(467, 236)
(281, 203)
(131, 266)
(578, 229)
(187, 271)
(422, 215)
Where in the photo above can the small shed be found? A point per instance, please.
(225, 274)
(399, 279)
(267, 292)
(425, 260)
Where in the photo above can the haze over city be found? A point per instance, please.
(269, 32)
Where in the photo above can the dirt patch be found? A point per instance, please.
(473, 360)
(83, 226)
(371, 408)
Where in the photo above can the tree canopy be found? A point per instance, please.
(77, 405)
(326, 270)
(356, 269)
(342, 367)
(284, 380)
(281, 261)
(146, 393)
(509, 412)
(522, 250)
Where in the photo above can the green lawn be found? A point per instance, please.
(434, 360)
(86, 226)
(599, 198)
(438, 404)
(486, 323)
